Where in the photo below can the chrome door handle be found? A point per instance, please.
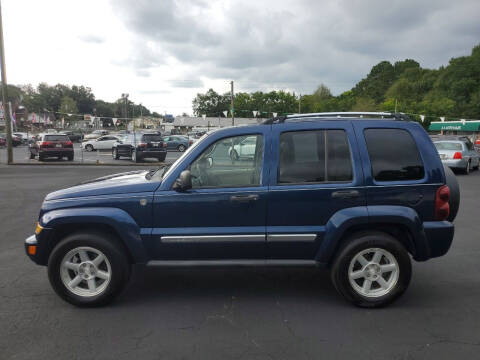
(243, 198)
(345, 194)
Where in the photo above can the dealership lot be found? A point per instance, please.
(21, 154)
(234, 313)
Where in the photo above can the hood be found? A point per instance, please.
(128, 182)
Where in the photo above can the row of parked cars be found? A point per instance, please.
(137, 146)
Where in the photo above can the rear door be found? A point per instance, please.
(315, 172)
(396, 172)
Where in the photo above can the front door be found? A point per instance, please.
(223, 216)
(315, 172)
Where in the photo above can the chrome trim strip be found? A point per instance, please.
(211, 238)
(291, 237)
(234, 262)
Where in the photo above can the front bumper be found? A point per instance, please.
(43, 246)
(455, 163)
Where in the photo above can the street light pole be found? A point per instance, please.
(6, 107)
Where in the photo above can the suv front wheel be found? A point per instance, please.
(372, 269)
(88, 269)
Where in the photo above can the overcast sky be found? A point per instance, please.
(163, 52)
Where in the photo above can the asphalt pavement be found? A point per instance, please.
(234, 313)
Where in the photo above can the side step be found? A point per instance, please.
(230, 263)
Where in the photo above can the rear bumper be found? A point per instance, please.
(438, 239)
(152, 153)
(55, 152)
(456, 164)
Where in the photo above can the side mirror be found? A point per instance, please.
(183, 182)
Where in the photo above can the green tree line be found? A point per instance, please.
(450, 91)
(71, 100)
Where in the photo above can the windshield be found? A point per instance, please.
(444, 145)
(56, 138)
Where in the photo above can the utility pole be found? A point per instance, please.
(300, 103)
(233, 116)
(6, 107)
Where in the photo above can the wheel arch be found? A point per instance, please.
(115, 223)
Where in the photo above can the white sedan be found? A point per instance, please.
(101, 143)
(244, 149)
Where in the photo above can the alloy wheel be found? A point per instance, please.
(373, 272)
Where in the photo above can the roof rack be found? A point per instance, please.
(340, 115)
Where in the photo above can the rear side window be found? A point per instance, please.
(56, 138)
(314, 156)
(393, 155)
(152, 137)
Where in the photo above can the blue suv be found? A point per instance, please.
(358, 194)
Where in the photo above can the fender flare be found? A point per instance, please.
(124, 225)
(343, 220)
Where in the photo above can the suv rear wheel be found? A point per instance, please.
(372, 270)
(88, 269)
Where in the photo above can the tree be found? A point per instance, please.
(211, 103)
(68, 106)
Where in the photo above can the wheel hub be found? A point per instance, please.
(372, 271)
(87, 270)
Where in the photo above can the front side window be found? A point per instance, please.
(393, 155)
(228, 163)
(314, 156)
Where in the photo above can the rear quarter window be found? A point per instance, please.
(56, 138)
(393, 155)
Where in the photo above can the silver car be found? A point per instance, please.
(458, 154)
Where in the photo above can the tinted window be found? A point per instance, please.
(393, 155)
(152, 137)
(228, 163)
(448, 146)
(314, 156)
(56, 138)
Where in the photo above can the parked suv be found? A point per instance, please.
(140, 146)
(51, 145)
(358, 196)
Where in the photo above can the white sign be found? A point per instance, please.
(274, 114)
(463, 121)
(422, 117)
(114, 120)
(204, 116)
(442, 118)
(225, 113)
(255, 112)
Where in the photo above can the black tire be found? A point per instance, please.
(70, 157)
(134, 156)
(162, 157)
(32, 155)
(355, 245)
(466, 171)
(59, 157)
(454, 202)
(89, 147)
(41, 157)
(234, 155)
(113, 251)
(115, 154)
(181, 148)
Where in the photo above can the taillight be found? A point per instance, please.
(69, 143)
(442, 207)
(45, 143)
(142, 145)
(457, 155)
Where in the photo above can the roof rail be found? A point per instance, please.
(340, 115)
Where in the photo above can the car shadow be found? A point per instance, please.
(151, 285)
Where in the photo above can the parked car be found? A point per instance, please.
(22, 136)
(101, 143)
(177, 142)
(140, 146)
(75, 136)
(95, 134)
(52, 145)
(244, 149)
(319, 191)
(458, 154)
